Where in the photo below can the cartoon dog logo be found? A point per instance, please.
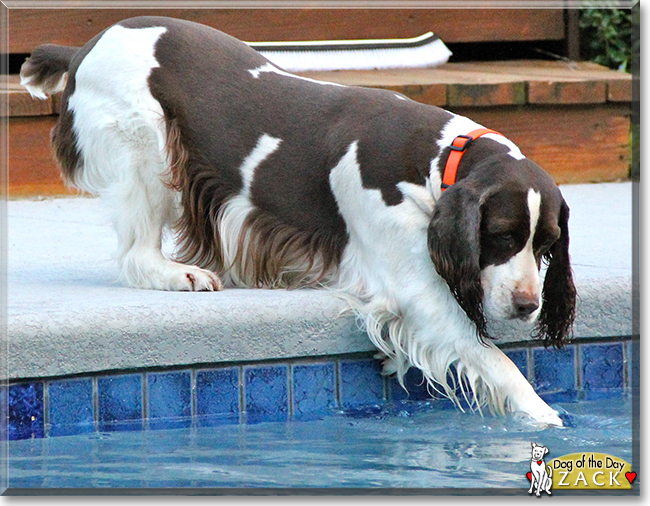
(540, 474)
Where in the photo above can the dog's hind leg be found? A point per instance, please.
(131, 167)
(549, 480)
(115, 132)
(142, 206)
(141, 212)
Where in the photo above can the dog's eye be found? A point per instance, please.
(506, 238)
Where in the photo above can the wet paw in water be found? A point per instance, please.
(568, 420)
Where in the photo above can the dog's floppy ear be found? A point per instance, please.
(455, 248)
(555, 321)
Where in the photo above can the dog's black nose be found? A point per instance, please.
(524, 304)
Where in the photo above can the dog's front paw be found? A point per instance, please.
(162, 274)
(540, 412)
(151, 270)
(551, 418)
(194, 279)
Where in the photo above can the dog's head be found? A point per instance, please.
(488, 237)
(538, 451)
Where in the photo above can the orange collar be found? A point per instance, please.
(458, 147)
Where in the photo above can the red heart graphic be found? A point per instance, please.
(530, 476)
(539, 462)
(630, 477)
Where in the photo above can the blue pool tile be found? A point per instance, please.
(25, 405)
(217, 396)
(120, 402)
(416, 387)
(520, 359)
(169, 399)
(266, 393)
(360, 383)
(71, 407)
(602, 370)
(314, 390)
(555, 373)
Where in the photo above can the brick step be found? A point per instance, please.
(573, 118)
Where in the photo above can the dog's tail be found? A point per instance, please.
(45, 72)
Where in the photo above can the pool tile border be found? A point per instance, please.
(217, 396)
(71, 404)
(315, 390)
(266, 393)
(120, 402)
(169, 399)
(299, 389)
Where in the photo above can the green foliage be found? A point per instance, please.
(606, 37)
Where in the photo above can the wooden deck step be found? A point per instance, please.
(573, 118)
(516, 82)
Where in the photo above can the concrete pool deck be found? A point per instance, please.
(68, 315)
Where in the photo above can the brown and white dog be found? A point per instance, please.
(274, 180)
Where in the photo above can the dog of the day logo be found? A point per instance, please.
(577, 471)
(540, 474)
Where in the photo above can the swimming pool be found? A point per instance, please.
(413, 447)
(263, 390)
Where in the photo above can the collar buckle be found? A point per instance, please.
(465, 140)
(456, 151)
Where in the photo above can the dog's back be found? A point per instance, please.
(206, 84)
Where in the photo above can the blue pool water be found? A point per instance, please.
(403, 445)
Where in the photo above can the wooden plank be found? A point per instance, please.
(478, 72)
(22, 104)
(32, 169)
(459, 95)
(583, 92)
(432, 94)
(449, 73)
(575, 144)
(619, 91)
(77, 26)
(499, 83)
(542, 70)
